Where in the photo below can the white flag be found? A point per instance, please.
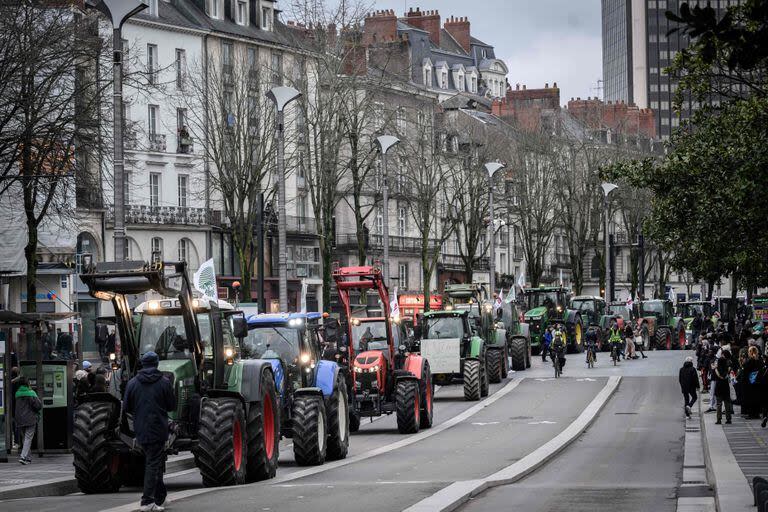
(393, 305)
(521, 280)
(561, 277)
(629, 304)
(512, 294)
(499, 299)
(204, 280)
(304, 287)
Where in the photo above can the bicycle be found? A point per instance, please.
(615, 353)
(556, 363)
(590, 357)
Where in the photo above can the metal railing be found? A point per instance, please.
(304, 225)
(396, 243)
(163, 215)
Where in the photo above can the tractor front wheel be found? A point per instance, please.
(96, 465)
(576, 336)
(663, 338)
(426, 390)
(223, 446)
(518, 350)
(338, 423)
(494, 366)
(472, 380)
(408, 405)
(263, 429)
(309, 430)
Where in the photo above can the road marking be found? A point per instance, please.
(481, 424)
(586, 379)
(406, 441)
(544, 422)
(545, 380)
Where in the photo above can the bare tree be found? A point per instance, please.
(228, 111)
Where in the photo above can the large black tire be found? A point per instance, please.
(354, 422)
(494, 366)
(426, 392)
(310, 430)
(575, 332)
(223, 447)
(663, 338)
(263, 433)
(337, 409)
(408, 406)
(97, 467)
(472, 380)
(519, 351)
(485, 387)
(505, 362)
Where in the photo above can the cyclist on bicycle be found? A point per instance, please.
(558, 346)
(591, 344)
(615, 339)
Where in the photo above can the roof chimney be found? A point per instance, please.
(428, 21)
(460, 31)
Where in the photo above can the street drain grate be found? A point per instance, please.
(691, 429)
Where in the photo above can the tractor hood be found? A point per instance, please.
(536, 312)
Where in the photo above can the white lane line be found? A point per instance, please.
(451, 497)
(406, 441)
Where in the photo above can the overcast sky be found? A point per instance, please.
(540, 40)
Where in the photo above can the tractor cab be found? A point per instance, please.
(548, 305)
(592, 309)
(656, 320)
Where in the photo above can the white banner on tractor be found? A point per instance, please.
(443, 355)
(205, 280)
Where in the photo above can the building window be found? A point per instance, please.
(444, 83)
(402, 276)
(180, 60)
(183, 188)
(181, 121)
(152, 119)
(379, 227)
(301, 206)
(402, 123)
(157, 248)
(152, 63)
(428, 77)
(401, 221)
(214, 8)
(474, 84)
(183, 248)
(226, 56)
(242, 12)
(266, 21)
(154, 189)
(277, 68)
(152, 8)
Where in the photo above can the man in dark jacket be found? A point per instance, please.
(689, 384)
(723, 387)
(149, 397)
(28, 406)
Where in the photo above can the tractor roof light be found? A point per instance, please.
(355, 321)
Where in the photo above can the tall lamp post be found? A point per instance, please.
(607, 189)
(385, 142)
(118, 11)
(492, 168)
(281, 96)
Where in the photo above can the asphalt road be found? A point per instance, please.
(385, 473)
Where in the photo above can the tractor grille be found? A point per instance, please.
(366, 380)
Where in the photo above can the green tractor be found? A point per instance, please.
(517, 333)
(454, 350)
(548, 306)
(469, 298)
(688, 311)
(657, 321)
(596, 314)
(227, 408)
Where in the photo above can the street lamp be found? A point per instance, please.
(281, 96)
(492, 168)
(385, 142)
(118, 11)
(607, 189)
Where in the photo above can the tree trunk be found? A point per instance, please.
(30, 253)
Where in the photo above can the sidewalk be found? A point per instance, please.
(734, 454)
(54, 475)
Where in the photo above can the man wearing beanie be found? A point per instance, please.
(149, 397)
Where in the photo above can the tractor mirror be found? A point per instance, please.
(331, 330)
(239, 327)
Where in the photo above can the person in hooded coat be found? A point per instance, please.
(149, 397)
(689, 384)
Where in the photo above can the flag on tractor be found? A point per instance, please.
(393, 305)
(499, 299)
(304, 287)
(205, 280)
(630, 303)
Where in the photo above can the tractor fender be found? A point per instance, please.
(414, 363)
(314, 391)
(476, 346)
(525, 331)
(279, 373)
(325, 377)
(570, 316)
(253, 369)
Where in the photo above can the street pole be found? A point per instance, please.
(118, 11)
(281, 96)
(385, 142)
(260, 253)
(607, 189)
(641, 264)
(492, 168)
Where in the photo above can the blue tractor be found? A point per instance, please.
(313, 396)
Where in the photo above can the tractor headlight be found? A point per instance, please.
(153, 305)
(355, 321)
(358, 369)
(374, 369)
(304, 358)
(229, 353)
(112, 356)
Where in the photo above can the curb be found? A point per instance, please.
(458, 493)
(67, 485)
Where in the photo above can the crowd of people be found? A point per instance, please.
(731, 373)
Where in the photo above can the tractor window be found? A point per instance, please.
(655, 308)
(374, 332)
(449, 327)
(584, 306)
(538, 299)
(272, 343)
(165, 334)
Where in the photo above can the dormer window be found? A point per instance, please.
(474, 84)
(427, 73)
(214, 8)
(266, 18)
(444, 80)
(241, 12)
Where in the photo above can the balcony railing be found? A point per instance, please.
(157, 142)
(164, 215)
(303, 270)
(186, 145)
(303, 225)
(396, 243)
(454, 262)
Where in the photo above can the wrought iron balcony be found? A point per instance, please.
(301, 225)
(166, 215)
(157, 142)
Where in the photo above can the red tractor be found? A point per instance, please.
(384, 377)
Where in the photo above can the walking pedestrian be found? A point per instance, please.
(639, 343)
(750, 385)
(149, 397)
(28, 405)
(101, 339)
(629, 341)
(689, 384)
(723, 388)
(15, 379)
(546, 341)
(712, 361)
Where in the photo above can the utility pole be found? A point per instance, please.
(492, 168)
(607, 189)
(385, 142)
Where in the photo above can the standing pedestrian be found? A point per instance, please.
(639, 343)
(64, 345)
(696, 328)
(712, 362)
(723, 388)
(28, 405)
(15, 379)
(149, 397)
(689, 384)
(101, 339)
(546, 342)
(750, 384)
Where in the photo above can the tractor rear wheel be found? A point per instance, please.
(681, 340)
(518, 350)
(310, 427)
(663, 338)
(472, 380)
(354, 422)
(338, 422)
(96, 465)
(494, 366)
(575, 332)
(426, 391)
(263, 434)
(505, 362)
(223, 446)
(484, 385)
(408, 405)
